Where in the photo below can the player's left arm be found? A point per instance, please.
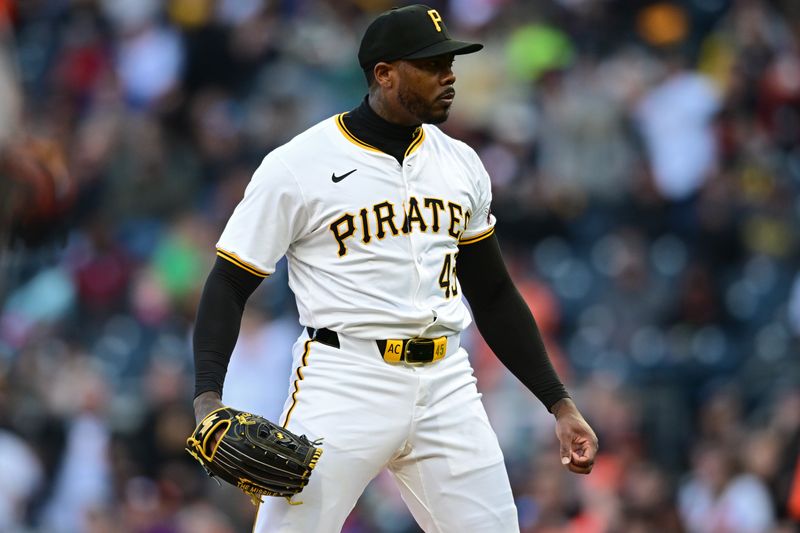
(508, 326)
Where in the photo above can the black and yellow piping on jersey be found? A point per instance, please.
(419, 136)
(303, 364)
(476, 238)
(238, 261)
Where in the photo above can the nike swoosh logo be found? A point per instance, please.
(337, 179)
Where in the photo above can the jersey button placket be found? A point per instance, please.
(409, 175)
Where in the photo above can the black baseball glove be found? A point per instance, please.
(252, 453)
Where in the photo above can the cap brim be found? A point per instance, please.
(445, 47)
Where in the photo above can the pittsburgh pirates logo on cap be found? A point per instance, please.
(436, 18)
(411, 32)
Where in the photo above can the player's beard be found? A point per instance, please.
(416, 105)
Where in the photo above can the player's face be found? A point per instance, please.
(426, 88)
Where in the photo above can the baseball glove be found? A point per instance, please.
(252, 453)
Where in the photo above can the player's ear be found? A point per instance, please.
(385, 74)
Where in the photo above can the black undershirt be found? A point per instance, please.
(366, 125)
(216, 328)
(505, 320)
(502, 316)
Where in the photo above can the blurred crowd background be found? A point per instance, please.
(645, 158)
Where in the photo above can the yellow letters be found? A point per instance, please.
(436, 18)
(385, 215)
(340, 234)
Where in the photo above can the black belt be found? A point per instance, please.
(414, 350)
(325, 336)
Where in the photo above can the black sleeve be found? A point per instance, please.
(219, 317)
(505, 321)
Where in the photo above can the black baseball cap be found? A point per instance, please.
(411, 32)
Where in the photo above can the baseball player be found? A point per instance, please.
(386, 224)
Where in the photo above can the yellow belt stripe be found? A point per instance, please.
(393, 352)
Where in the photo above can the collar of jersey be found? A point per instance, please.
(415, 142)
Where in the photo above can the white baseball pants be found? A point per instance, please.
(425, 423)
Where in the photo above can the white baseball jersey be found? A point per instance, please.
(371, 244)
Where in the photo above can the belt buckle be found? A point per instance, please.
(415, 345)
